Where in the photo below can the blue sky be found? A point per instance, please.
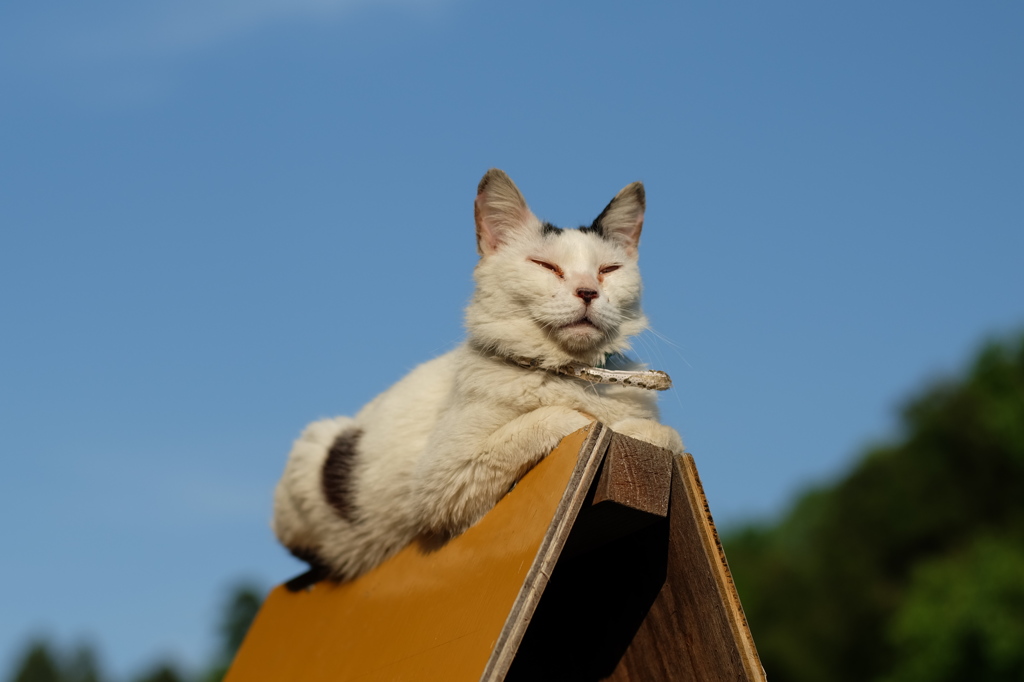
(220, 220)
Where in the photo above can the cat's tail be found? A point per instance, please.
(301, 514)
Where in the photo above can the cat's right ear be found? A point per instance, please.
(500, 211)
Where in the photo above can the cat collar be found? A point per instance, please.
(651, 379)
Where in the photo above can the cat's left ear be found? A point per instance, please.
(623, 218)
(500, 211)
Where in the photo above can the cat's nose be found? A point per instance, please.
(587, 295)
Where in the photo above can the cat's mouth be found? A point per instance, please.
(584, 323)
(581, 335)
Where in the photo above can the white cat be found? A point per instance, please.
(436, 451)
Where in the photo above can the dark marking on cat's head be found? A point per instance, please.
(338, 486)
(594, 228)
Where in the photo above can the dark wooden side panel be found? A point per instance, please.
(635, 475)
(631, 492)
(686, 469)
(638, 596)
(695, 630)
(593, 607)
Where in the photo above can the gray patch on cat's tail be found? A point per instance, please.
(337, 483)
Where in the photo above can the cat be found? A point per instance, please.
(436, 451)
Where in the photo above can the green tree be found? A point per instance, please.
(825, 587)
(38, 665)
(963, 617)
(162, 672)
(240, 609)
(82, 665)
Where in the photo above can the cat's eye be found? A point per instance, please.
(550, 266)
(609, 268)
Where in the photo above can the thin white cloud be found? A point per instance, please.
(113, 54)
(187, 25)
(166, 28)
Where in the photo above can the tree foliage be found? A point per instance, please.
(239, 611)
(38, 665)
(162, 672)
(963, 617)
(909, 567)
(41, 662)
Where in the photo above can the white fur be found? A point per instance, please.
(443, 445)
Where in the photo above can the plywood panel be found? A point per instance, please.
(448, 614)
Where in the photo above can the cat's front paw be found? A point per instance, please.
(651, 432)
(536, 433)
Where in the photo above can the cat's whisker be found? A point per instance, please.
(675, 346)
(655, 349)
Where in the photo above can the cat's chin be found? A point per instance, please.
(582, 336)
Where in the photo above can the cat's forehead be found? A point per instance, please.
(582, 244)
